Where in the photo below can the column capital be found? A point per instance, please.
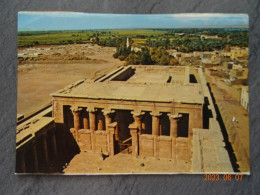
(91, 109)
(137, 113)
(174, 116)
(75, 109)
(132, 126)
(155, 113)
(108, 112)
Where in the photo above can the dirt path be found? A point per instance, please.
(230, 108)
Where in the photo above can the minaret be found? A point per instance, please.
(127, 42)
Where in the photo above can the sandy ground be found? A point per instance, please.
(38, 78)
(234, 108)
(124, 163)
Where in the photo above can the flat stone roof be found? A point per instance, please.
(31, 127)
(117, 90)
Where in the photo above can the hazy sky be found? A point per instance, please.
(79, 21)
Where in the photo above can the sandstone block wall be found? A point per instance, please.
(165, 147)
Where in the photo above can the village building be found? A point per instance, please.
(213, 37)
(245, 97)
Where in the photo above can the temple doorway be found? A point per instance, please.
(123, 139)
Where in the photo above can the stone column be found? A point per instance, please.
(45, 148)
(111, 138)
(76, 112)
(35, 156)
(92, 124)
(54, 143)
(85, 120)
(92, 118)
(155, 130)
(135, 141)
(174, 124)
(108, 117)
(137, 117)
(155, 123)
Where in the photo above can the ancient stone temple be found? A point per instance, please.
(155, 111)
(148, 110)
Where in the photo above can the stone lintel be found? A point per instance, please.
(132, 126)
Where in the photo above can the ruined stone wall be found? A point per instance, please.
(100, 142)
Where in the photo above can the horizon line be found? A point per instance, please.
(140, 28)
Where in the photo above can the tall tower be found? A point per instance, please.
(127, 42)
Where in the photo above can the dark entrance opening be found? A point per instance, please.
(193, 79)
(164, 124)
(123, 137)
(183, 125)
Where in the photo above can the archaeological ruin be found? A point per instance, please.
(154, 111)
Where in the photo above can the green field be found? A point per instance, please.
(185, 40)
(67, 37)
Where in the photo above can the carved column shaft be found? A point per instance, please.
(155, 125)
(108, 117)
(137, 117)
(138, 123)
(174, 127)
(92, 123)
(135, 143)
(174, 124)
(108, 121)
(76, 112)
(111, 138)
